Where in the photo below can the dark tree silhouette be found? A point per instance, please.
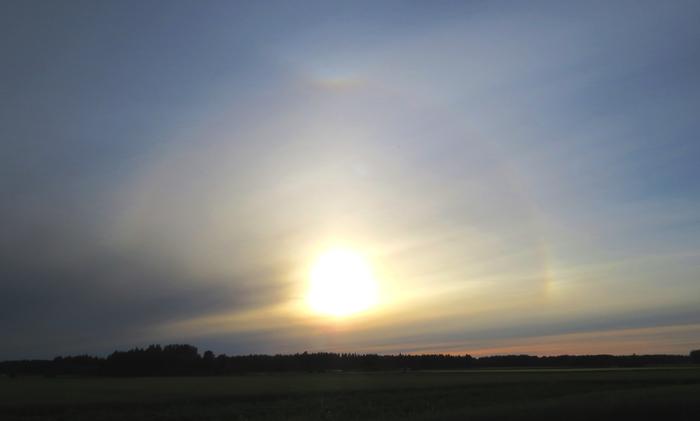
(184, 360)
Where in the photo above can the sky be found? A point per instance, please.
(521, 177)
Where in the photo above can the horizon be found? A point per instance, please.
(201, 352)
(480, 177)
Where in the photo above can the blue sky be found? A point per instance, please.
(522, 176)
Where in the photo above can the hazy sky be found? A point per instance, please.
(521, 176)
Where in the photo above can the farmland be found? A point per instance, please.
(645, 393)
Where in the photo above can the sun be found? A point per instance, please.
(341, 284)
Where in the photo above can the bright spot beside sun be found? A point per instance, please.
(341, 284)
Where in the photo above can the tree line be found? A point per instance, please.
(185, 360)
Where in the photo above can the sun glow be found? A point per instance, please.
(341, 284)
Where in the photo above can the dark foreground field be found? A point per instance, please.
(638, 394)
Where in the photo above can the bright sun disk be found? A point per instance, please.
(341, 284)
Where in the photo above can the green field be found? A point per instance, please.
(479, 395)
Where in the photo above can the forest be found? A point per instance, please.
(186, 360)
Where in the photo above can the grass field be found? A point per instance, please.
(479, 395)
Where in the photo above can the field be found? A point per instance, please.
(637, 394)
